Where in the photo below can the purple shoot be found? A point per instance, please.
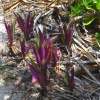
(70, 79)
(10, 31)
(39, 70)
(66, 35)
(26, 25)
(43, 53)
(24, 49)
(38, 76)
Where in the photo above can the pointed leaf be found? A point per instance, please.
(20, 21)
(68, 36)
(41, 51)
(98, 5)
(67, 76)
(33, 63)
(33, 72)
(22, 37)
(9, 29)
(41, 81)
(13, 25)
(38, 59)
(72, 74)
(37, 43)
(22, 43)
(88, 21)
(71, 85)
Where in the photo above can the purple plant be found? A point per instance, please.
(70, 79)
(26, 25)
(43, 52)
(24, 49)
(39, 70)
(66, 35)
(10, 30)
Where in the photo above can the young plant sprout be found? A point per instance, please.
(43, 52)
(26, 25)
(70, 78)
(24, 49)
(66, 35)
(10, 30)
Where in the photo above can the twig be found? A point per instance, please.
(21, 1)
(48, 12)
(80, 81)
(94, 91)
(79, 18)
(37, 18)
(89, 62)
(91, 80)
(11, 5)
(86, 70)
(86, 51)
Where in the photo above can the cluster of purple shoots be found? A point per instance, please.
(43, 49)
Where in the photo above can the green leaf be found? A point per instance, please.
(87, 1)
(22, 37)
(32, 14)
(44, 30)
(89, 7)
(98, 5)
(97, 35)
(42, 67)
(72, 15)
(94, 1)
(67, 76)
(44, 44)
(88, 21)
(33, 63)
(13, 24)
(77, 9)
(53, 48)
(73, 8)
(37, 43)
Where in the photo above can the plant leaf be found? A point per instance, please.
(72, 15)
(22, 43)
(10, 31)
(98, 5)
(13, 26)
(37, 43)
(33, 63)
(97, 35)
(41, 81)
(38, 58)
(33, 72)
(67, 76)
(22, 37)
(88, 21)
